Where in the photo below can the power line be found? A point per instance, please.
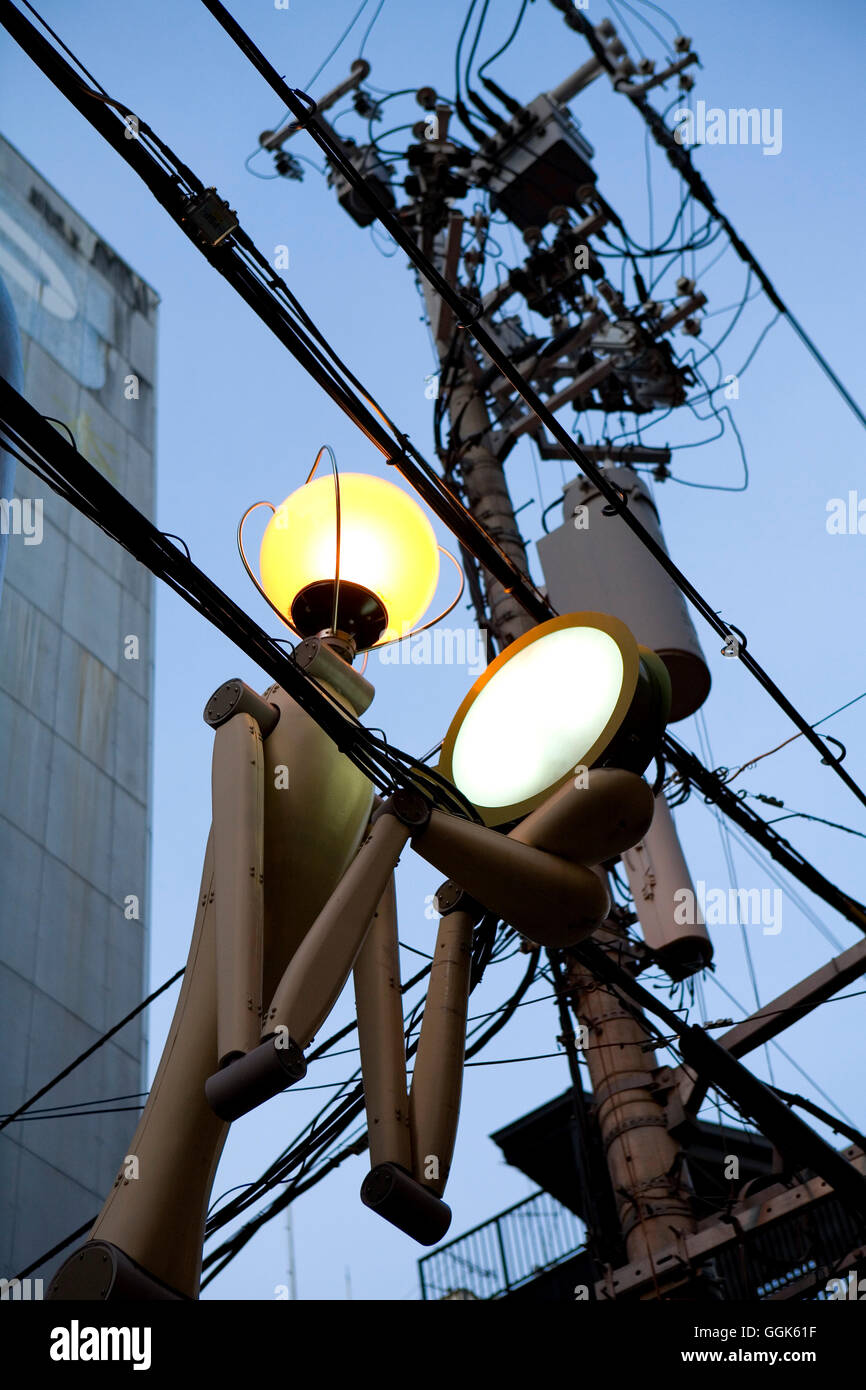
(795, 1140)
(81, 1114)
(56, 1249)
(823, 720)
(368, 31)
(42, 449)
(554, 1054)
(795, 897)
(48, 1110)
(838, 1126)
(216, 1260)
(805, 815)
(317, 1052)
(472, 4)
(508, 42)
(680, 157)
(661, 38)
(427, 483)
(504, 1061)
(88, 1052)
(342, 39)
(469, 317)
(691, 771)
(725, 836)
(773, 1042)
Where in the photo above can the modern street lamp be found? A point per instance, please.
(572, 692)
(297, 890)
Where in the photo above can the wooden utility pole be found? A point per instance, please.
(644, 1161)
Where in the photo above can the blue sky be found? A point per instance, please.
(239, 420)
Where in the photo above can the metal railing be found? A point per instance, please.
(501, 1254)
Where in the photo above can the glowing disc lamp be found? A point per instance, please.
(576, 691)
(352, 555)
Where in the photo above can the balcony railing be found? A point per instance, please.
(492, 1259)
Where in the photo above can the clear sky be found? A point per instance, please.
(238, 420)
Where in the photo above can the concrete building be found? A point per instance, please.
(76, 668)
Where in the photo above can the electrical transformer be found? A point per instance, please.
(539, 160)
(664, 898)
(594, 562)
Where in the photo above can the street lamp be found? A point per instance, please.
(297, 890)
(388, 564)
(354, 558)
(574, 692)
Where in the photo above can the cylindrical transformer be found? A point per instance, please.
(664, 898)
(594, 562)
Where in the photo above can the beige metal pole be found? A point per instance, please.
(639, 1156)
(237, 783)
(316, 974)
(437, 1081)
(544, 897)
(317, 804)
(590, 824)
(380, 1034)
(156, 1211)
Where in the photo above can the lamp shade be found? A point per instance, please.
(553, 701)
(389, 558)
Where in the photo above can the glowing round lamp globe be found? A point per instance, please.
(549, 703)
(389, 559)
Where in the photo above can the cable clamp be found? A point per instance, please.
(610, 508)
(313, 107)
(734, 645)
(836, 761)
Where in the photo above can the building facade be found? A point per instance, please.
(76, 675)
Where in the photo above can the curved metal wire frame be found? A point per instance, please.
(406, 636)
(246, 564)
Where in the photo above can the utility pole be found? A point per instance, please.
(604, 354)
(645, 1163)
(483, 486)
(148, 1243)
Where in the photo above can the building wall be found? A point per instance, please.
(10, 371)
(75, 725)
